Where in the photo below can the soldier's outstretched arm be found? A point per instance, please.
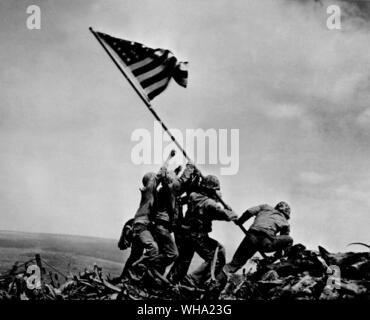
(246, 215)
(249, 213)
(232, 216)
(219, 212)
(163, 170)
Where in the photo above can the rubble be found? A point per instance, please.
(299, 274)
(304, 275)
(91, 284)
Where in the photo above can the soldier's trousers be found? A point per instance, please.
(205, 247)
(256, 241)
(137, 250)
(144, 240)
(167, 249)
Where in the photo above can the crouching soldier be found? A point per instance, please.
(268, 233)
(203, 208)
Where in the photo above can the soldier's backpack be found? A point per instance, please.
(125, 240)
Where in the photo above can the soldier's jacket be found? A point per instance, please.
(268, 220)
(167, 207)
(202, 210)
(142, 214)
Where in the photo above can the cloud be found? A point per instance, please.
(364, 118)
(313, 178)
(284, 111)
(349, 193)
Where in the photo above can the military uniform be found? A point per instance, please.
(126, 241)
(166, 215)
(262, 235)
(142, 234)
(202, 210)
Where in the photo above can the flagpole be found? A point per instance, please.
(141, 95)
(146, 101)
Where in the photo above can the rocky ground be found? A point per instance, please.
(299, 274)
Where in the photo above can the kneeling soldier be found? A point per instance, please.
(268, 233)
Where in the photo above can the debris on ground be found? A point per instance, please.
(304, 275)
(299, 274)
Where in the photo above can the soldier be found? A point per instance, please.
(142, 238)
(155, 219)
(203, 208)
(142, 234)
(188, 181)
(167, 214)
(263, 233)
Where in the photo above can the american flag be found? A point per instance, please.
(152, 68)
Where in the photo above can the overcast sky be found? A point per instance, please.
(298, 92)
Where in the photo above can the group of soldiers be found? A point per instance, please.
(160, 234)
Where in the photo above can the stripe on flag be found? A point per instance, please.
(152, 68)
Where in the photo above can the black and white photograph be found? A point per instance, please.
(185, 155)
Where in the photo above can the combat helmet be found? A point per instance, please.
(284, 208)
(147, 177)
(211, 182)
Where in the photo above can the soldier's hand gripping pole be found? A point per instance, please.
(219, 198)
(229, 208)
(170, 156)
